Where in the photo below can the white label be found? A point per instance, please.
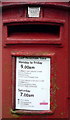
(33, 83)
(33, 11)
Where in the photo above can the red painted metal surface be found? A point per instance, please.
(14, 44)
(0, 60)
(69, 60)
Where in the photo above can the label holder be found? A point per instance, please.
(52, 85)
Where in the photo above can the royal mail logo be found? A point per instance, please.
(44, 103)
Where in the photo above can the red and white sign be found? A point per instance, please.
(33, 83)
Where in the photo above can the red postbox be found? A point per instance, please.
(35, 60)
